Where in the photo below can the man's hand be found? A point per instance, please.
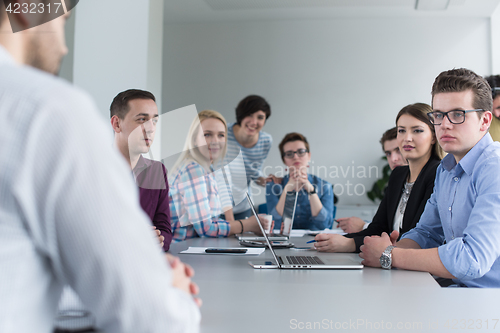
(334, 243)
(160, 237)
(182, 274)
(373, 248)
(350, 224)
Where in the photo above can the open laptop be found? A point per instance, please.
(287, 221)
(300, 262)
(289, 212)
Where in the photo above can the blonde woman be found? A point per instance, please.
(195, 197)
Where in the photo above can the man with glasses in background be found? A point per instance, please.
(494, 81)
(457, 235)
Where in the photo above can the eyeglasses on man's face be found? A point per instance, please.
(454, 116)
(300, 153)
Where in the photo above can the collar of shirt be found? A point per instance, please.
(468, 162)
(140, 166)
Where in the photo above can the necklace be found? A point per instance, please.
(405, 196)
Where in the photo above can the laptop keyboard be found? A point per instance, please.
(303, 260)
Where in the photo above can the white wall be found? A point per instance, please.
(115, 52)
(340, 82)
(495, 42)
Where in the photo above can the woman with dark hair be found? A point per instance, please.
(246, 136)
(409, 186)
(314, 210)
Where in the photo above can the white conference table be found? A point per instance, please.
(238, 298)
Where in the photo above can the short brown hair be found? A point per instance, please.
(494, 82)
(389, 135)
(120, 107)
(462, 79)
(290, 137)
(419, 111)
(251, 104)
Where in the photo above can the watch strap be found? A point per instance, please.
(386, 257)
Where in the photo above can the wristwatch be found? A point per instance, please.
(313, 191)
(386, 257)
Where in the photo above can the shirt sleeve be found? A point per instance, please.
(161, 219)
(193, 188)
(324, 219)
(85, 218)
(472, 255)
(376, 227)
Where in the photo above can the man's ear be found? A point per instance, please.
(115, 123)
(485, 120)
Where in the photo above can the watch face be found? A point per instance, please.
(385, 261)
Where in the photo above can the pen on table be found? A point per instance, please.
(311, 241)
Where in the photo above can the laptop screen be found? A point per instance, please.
(289, 212)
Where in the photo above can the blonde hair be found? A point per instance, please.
(191, 153)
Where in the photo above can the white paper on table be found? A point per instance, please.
(251, 251)
(298, 232)
(302, 232)
(333, 231)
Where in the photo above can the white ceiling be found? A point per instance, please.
(236, 10)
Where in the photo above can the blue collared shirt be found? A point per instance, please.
(303, 218)
(462, 217)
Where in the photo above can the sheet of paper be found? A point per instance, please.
(298, 232)
(302, 232)
(333, 231)
(251, 251)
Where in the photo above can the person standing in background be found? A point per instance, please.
(246, 136)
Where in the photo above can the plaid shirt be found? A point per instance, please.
(195, 204)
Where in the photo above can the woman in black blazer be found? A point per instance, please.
(409, 186)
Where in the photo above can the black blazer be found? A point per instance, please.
(383, 221)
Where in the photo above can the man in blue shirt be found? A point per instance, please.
(458, 234)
